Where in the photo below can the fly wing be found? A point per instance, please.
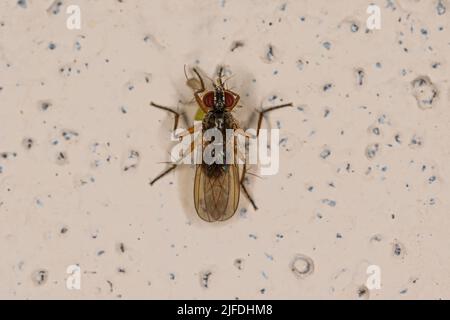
(216, 195)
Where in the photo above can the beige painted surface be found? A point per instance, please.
(345, 212)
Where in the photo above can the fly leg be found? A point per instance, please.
(174, 165)
(162, 174)
(241, 157)
(241, 132)
(199, 92)
(177, 114)
(262, 113)
(249, 197)
(175, 126)
(202, 83)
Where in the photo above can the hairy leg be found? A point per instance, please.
(262, 113)
(177, 114)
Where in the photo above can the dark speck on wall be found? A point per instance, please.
(121, 247)
(45, 105)
(236, 44)
(55, 7)
(354, 27)
(27, 143)
(239, 263)
(363, 292)
(40, 277)
(360, 76)
(22, 3)
(205, 279)
(270, 54)
(440, 8)
(325, 153)
(330, 203)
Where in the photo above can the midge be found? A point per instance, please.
(217, 186)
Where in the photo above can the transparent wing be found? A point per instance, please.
(216, 192)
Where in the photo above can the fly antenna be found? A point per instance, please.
(219, 75)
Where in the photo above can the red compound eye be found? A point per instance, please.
(229, 100)
(208, 99)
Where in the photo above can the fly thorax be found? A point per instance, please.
(219, 123)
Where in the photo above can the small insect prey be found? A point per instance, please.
(217, 185)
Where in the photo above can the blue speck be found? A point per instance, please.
(268, 256)
(327, 45)
(440, 8)
(329, 202)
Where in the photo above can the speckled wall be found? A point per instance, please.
(362, 189)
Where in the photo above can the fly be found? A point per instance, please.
(217, 186)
